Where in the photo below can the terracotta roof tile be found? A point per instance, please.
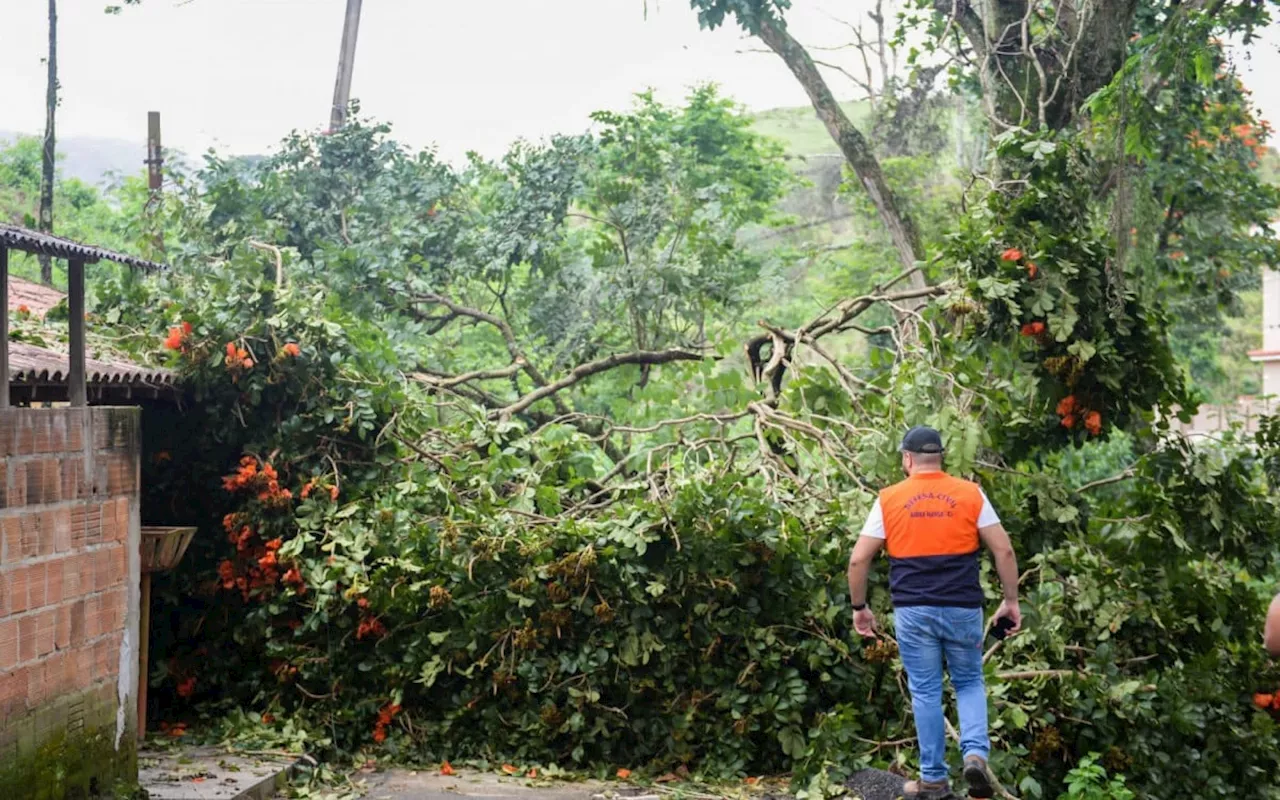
(38, 298)
(37, 365)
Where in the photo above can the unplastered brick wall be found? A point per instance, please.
(69, 569)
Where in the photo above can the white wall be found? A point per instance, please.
(1270, 331)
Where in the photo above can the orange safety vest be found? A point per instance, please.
(931, 535)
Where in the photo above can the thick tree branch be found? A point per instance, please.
(833, 320)
(961, 14)
(449, 381)
(584, 371)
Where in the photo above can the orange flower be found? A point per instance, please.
(1263, 700)
(379, 734)
(1033, 329)
(292, 350)
(231, 351)
(446, 768)
(387, 713)
(267, 719)
(306, 490)
(247, 363)
(274, 544)
(752, 781)
(1066, 405)
(1177, 254)
(333, 493)
(187, 687)
(294, 579)
(1069, 421)
(175, 339)
(1012, 254)
(1093, 422)
(186, 327)
(623, 774)
(24, 310)
(1032, 269)
(533, 773)
(370, 626)
(510, 770)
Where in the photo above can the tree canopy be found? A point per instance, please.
(557, 458)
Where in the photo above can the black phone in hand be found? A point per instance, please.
(1001, 629)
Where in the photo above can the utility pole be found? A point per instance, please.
(50, 143)
(346, 63)
(155, 171)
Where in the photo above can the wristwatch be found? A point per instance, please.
(859, 606)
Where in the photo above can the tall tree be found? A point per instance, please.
(50, 142)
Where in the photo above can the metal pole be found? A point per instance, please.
(4, 326)
(346, 64)
(76, 389)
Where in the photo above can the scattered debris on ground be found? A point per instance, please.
(210, 773)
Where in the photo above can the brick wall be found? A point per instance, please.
(69, 528)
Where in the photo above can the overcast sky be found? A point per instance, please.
(461, 74)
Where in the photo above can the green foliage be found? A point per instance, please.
(80, 211)
(645, 568)
(1038, 257)
(1089, 781)
(749, 14)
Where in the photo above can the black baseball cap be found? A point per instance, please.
(922, 439)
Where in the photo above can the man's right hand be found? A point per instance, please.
(1010, 609)
(864, 622)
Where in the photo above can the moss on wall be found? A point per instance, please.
(70, 766)
(66, 751)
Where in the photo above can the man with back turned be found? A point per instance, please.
(933, 526)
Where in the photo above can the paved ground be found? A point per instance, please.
(194, 773)
(410, 785)
(205, 773)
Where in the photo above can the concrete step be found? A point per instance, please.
(210, 773)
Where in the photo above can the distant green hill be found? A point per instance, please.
(802, 132)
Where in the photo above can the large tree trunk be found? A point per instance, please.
(852, 144)
(1033, 80)
(50, 141)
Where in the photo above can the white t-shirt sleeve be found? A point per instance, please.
(874, 526)
(987, 516)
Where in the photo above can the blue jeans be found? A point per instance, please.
(925, 634)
